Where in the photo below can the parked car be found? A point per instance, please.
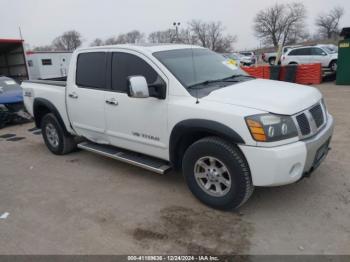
(234, 57)
(186, 108)
(311, 55)
(271, 57)
(11, 101)
(247, 58)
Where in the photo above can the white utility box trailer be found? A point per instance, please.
(48, 65)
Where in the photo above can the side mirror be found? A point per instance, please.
(137, 87)
(323, 53)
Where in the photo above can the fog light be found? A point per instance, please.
(295, 170)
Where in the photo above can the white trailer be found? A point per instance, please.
(51, 65)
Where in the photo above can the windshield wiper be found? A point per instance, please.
(226, 79)
(235, 76)
(207, 82)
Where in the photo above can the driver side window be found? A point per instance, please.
(125, 65)
(317, 51)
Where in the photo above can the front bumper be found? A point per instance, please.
(286, 164)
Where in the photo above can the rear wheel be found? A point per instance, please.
(57, 141)
(217, 173)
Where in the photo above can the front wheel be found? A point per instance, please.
(217, 173)
(333, 66)
(272, 61)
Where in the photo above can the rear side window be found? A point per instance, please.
(301, 51)
(125, 65)
(91, 70)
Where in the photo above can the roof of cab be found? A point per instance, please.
(150, 48)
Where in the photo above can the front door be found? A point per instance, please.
(138, 124)
(86, 96)
(319, 56)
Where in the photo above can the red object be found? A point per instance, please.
(306, 74)
(282, 75)
(11, 41)
(309, 74)
(256, 71)
(266, 72)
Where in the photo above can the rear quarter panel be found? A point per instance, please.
(56, 95)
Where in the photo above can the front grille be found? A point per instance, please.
(317, 115)
(303, 123)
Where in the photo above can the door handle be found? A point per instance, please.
(112, 101)
(73, 95)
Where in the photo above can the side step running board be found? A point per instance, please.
(150, 163)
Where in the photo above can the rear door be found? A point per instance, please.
(86, 96)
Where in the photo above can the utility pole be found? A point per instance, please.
(176, 25)
(20, 33)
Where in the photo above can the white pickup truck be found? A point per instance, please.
(186, 108)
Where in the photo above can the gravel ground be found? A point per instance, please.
(83, 203)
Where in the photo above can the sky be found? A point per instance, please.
(41, 21)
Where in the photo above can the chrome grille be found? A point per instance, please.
(311, 120)
(317, 114)
(304, 125)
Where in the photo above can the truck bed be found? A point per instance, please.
(46, 91)
(47, 82)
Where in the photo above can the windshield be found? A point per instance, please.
(194, 66)
(246, 53)
(232, 56)
(331, 49)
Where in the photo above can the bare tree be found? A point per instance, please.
(186, 36)
(281, 23)
(200, 30)
(69, 41)
(131, 37)
(43, 48)
(166, 36)
(134, 36)
(328, 24)
(211, 35)
(111, 41)
(97, 42)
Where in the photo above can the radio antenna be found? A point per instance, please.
(194, 73)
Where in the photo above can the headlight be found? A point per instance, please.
(270, 127)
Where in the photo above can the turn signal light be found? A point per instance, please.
(257, 130)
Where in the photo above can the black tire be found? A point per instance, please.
(333, 66)
(241, 183)
(272, 60)
(293, 63)
(65, 142)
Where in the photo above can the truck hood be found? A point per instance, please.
(267, 95)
